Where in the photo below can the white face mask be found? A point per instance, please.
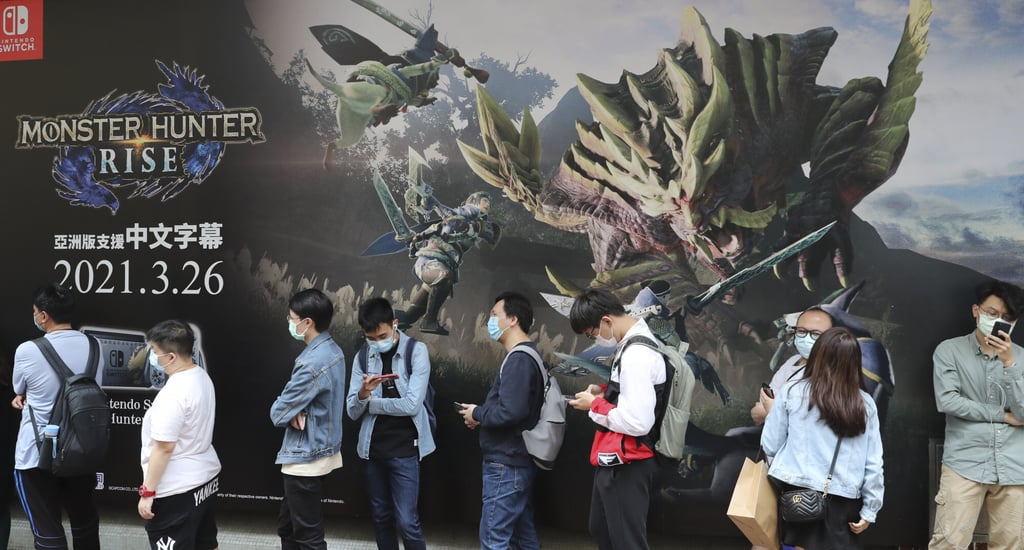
(986, 323)
(605, 342)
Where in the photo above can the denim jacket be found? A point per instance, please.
(317, 387)
(802, 446)
(412, 391)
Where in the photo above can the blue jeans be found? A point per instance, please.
(394, 486)
(506, 520)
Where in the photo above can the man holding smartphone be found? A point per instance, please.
(389, 382)
(980, 388)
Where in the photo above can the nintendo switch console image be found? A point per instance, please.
(124, 358)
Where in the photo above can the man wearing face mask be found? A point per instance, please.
(389, 381)
(811, 324)
(36, 387)
(624, 410)
(512, 405)
(979, 385)
(179, 463)
(310, 409)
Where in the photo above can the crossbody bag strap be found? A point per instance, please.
(832, 468)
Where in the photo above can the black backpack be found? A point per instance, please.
(83, 413)
(428, 398)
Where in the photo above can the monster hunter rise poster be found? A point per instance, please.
(206, 160)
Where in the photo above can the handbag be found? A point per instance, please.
(807, 505)
(754, 508)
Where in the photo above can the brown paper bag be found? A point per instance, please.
(754, 507)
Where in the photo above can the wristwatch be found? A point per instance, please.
(146, 493)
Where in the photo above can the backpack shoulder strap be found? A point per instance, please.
(53, 358)
(407, 353)
(636, 339)
(363, 353)
(93, 364)
(533, 355)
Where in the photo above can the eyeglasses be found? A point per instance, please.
(995, 313)
(802, 332)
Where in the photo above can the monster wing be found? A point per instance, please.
(348, 47)
(858, 145)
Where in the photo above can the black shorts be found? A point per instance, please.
(185, 521)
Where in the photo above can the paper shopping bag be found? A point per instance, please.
(754, 506)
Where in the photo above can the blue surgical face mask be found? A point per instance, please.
(493, 330)
(384, 346)
(804, 344)
(154, 361)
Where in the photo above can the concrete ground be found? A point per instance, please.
(122, 530)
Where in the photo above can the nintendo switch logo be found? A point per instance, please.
(15, 20)
(21, 30)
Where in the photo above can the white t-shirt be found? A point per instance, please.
(34, 378)
(183, 412)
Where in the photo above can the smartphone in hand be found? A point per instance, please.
(1000, 326)
(768, 390)
(458, 406)
(391, 376)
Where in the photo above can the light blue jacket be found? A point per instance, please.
(802, 446)
(411, 389)
(317, 387)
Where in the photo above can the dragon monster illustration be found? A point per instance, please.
(692, 170)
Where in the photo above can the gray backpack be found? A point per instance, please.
(544, 440)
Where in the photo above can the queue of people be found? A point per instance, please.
(821, 430)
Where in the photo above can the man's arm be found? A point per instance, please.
(948, 396)
(297, 394)
(513, 394)
(1013, 385)
(408, 404)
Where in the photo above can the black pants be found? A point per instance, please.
(301, 521)
(185, 521)
(618, 505)
(43, 495)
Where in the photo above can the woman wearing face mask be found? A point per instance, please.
(823, 435)
(389, 381)
(179, 463)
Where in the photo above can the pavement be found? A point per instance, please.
(123, 530)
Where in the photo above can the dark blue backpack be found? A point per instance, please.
(428, 399)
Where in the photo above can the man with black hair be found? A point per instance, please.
(624, 410)
(980, 387)
(389, 381)
(512, 405)
(36, 388)
(310, 409)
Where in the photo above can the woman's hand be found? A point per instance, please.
(766, 402)
(860, 526)
(146, 507)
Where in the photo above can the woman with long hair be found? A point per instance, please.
(826, 414)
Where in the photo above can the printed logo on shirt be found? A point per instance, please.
(166, 543)
(608, 459)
